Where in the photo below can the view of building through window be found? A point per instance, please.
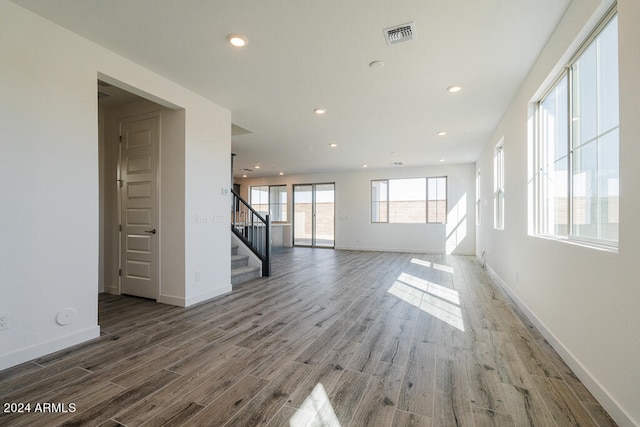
(409, 200)
(577, 146)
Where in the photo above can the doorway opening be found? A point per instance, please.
(128, 155)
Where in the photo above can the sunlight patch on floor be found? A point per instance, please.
(316, 410)
(421, 262)
(433, 265)
(440, 302)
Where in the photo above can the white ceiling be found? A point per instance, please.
(306, 54)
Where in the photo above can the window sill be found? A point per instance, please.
(580, 243)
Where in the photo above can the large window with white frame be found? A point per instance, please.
(409, 200)
(271, 200)
(577, 145)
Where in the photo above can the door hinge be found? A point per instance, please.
(120, 138)
(120, 227)
(120, 272)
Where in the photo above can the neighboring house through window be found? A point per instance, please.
(409, 200)
(577, 145)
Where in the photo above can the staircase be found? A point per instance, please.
(252, 232)
(241, 271)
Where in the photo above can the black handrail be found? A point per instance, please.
(253, 229)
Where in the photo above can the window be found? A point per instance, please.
(270, 200)
(259, 199)
(498, 172)
(437, 200)
(278, 202)
(379, 201)
(409, 201)
(577, 145)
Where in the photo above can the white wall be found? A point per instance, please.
(584, 300)
(49, 216)
(354, 229)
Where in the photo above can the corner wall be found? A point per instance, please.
(49, 216)
(584, 300)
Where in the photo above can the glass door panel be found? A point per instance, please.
(303, 215)
(324, 226)
(314, 215)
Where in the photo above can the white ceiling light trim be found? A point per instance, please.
(237, 40)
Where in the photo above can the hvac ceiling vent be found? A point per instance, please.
(247, 170)
(397, 163)
(400, 33)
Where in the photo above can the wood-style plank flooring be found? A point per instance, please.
(332, 338)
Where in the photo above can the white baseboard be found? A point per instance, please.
(399, 250)
(113, 290)
(215, 292)
(41, 349)
(607, 401)
(171, 300)
(186, 302)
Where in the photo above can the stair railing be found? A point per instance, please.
(253, 229)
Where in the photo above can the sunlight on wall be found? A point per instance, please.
(441, 302)
(315, 410)
(456, 225)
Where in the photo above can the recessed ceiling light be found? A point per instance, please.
(454, 88)
(333, 145)
(441, 133)
(237, 40)
(319, 110)
(244, 176)
(376, 64)
(256, 166)
(441, 160)
(365, 166)
(281, 173)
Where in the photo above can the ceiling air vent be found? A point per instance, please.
(247, 170)
(400, 33)
(397, 163)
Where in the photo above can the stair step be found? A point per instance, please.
(244, 274)
(234, 249)
(239, 261)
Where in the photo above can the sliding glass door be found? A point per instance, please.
(314, 215)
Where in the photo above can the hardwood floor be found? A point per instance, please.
(332, 338)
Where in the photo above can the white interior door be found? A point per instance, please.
(139, 236)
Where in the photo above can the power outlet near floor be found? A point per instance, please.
(4, 321)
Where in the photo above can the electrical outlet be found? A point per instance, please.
(4, 321)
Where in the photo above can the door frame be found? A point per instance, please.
(313, 214)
